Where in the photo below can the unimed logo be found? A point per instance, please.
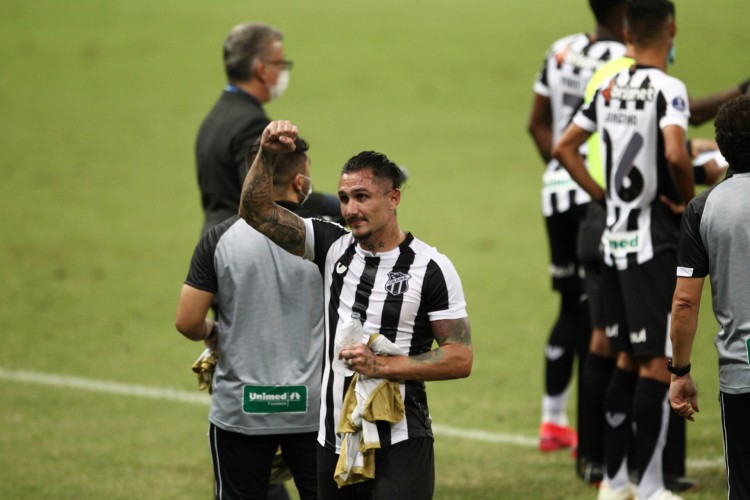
(274, 399)
(623, 243)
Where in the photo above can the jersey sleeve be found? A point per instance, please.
(586, 116)
(202, 272)
(677, 106)
(443, 295)
(692, 257)
(319, 236)
(541, 85)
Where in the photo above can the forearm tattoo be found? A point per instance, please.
(257, 207)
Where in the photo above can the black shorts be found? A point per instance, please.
(638, 305)
(734, 411)
(562, 233)
(242, 463)
(590, 256)
(402, 470)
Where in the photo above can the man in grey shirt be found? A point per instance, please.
(269, 340)
(715, 241)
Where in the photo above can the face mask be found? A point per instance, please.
(309, 190)
(672, 52)
(282, 82)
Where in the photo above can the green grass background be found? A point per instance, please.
(99, 105)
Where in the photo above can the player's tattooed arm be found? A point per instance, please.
(257, 206)
(452, 359)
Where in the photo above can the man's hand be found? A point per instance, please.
(683, 396)
(676, 208)
(278, 137)
(360, 358)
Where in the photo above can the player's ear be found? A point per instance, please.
(627, 35)
(394, 198)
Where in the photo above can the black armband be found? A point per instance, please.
(744, 86)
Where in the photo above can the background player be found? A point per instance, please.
(559, 92)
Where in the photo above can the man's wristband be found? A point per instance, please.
(680, 372)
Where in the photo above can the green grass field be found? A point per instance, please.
(100, 102)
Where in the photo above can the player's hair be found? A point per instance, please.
(287, 165)
(646, 18)
(733, 132)
(380, 165)
(603, 8)
(245, 46)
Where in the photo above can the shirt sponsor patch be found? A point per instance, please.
(622, 243)
(274, 399)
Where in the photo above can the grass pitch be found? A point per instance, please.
(100, 105)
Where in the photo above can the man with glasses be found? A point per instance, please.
(257, 72)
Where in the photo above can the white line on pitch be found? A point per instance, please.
(180, 396)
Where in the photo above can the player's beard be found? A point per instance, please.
(362, 238)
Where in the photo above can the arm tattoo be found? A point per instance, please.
(258, 209)
(453, 331)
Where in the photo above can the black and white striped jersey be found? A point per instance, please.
(629, 112)
(397, 294)
(569, 64)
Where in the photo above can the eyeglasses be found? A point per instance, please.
(283, 64)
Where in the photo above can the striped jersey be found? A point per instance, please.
(629, 112)
(569, 64)
(715, 240)
(397, 294)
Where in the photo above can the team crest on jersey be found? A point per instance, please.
(398, 283)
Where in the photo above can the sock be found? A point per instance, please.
(651, 416)
(559, 354)
(675, 449)
(596, 374)
(618, 432)
(554, 409)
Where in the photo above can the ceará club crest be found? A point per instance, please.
(398, 283)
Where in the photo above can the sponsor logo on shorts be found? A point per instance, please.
(614, 420)
(638, 337)
(562, 271)
(611, 331)
(553, 352)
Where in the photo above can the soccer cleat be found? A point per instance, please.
(667, 495)
(629, 492)
(555, 437)
(680, 484)
(590, 472)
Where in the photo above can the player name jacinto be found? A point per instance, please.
(622, 118)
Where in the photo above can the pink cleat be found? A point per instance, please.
(555, 437)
